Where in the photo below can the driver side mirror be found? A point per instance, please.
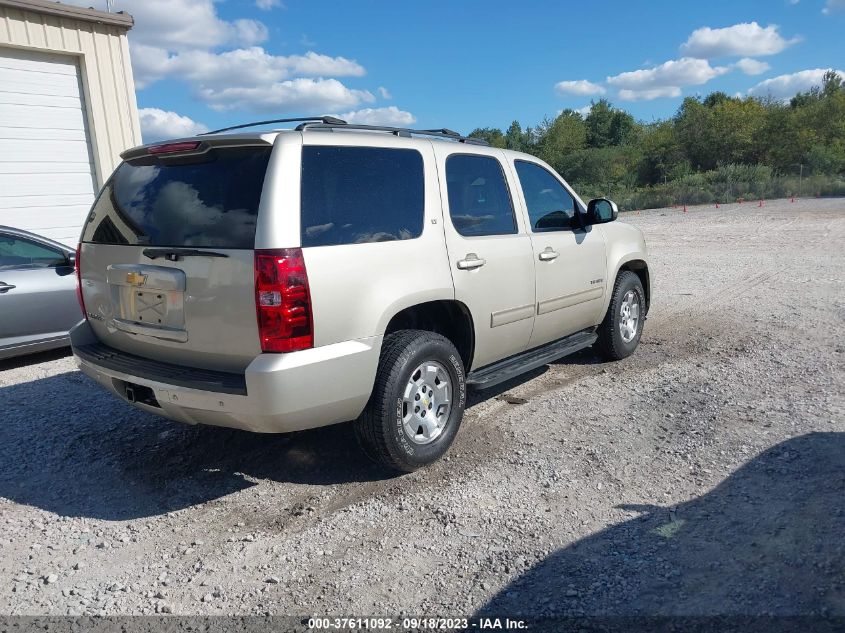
(71, 259)
(601, 210)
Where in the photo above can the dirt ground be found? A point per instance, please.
(703, 475)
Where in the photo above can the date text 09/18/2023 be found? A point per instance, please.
(415, 623)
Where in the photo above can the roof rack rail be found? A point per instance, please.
(328, 120)
(313, 124)
(444, 130)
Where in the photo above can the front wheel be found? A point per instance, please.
(619, 333)
(417, 403)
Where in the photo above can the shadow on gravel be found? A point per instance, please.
(68, 447)
(580, 359)
(770, 539)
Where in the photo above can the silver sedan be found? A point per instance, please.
(38, 303)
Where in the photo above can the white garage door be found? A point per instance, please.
(46, 173)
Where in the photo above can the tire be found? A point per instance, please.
(382, 429)
(611, 343)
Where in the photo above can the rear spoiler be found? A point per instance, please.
(187, 147)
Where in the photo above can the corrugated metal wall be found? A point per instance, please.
(108, 85)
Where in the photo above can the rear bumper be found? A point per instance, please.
(283, 392)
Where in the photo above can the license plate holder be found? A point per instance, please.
(147, 295)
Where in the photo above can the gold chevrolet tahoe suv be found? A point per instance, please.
(284, 280)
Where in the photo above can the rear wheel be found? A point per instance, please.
(619, 333)
(417, 403)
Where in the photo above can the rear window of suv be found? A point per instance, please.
(208, 202)
(355, 195)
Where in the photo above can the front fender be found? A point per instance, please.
(625, 244)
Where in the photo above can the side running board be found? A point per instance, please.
(512, 366)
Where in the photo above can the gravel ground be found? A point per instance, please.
(703, 475)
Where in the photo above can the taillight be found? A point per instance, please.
(282, 300)
(78, 265)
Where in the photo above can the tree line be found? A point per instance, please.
(714, 149)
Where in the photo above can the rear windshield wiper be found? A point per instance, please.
(173, 254)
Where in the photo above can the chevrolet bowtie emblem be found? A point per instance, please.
(136, 279)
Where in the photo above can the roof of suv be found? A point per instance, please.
(227, 136)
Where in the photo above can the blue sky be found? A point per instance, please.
(208, 63)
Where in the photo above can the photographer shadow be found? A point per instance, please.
(768, 540)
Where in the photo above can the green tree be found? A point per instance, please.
(692, 123)
(715, 147)
(662, 154)
(823, 159)
(555, 139)
(516, 139)
(492, 135)
(781, 142)
(720, 130)
(607, 126)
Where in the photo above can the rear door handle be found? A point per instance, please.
(470, 262)
(549, 254)
(6, 287)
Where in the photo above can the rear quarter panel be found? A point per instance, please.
(357, 288)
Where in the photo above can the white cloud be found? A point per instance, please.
(244, 72)
(384, 93)
(649, 94)
(786, 86)
(833, 5)
(249, 32)
(159, 124)
(184, 24)
(167, 29)
(223, 65)
(390, 116)
(752, 66)
(313, 65)
(251, 66)
(580, 87)
(300, 94)
(149, 64)
(747, 39)
(664, 80)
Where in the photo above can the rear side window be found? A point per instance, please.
(209, 202)
(355, 195)
(479, 200)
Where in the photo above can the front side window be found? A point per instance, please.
(479, 200)
(355, 195)
(550, 206)
(19, 253)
